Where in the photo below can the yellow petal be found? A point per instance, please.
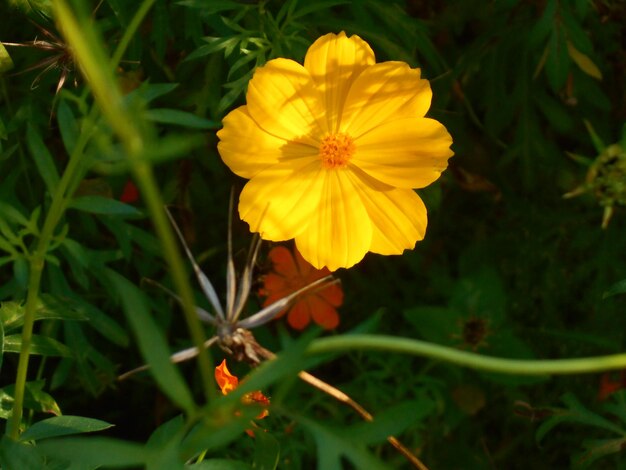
(384, 91)
(278, 202)
(334, 61)
(339, 232)
(283, 101)
(398, 216)
(405, 152)
(247, 149)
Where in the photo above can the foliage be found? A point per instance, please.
(532, 93)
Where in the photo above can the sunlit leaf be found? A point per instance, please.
(40, 345)
(63, 426)
(6, 63)
(49, 307)
(584, 62)
(34, 399)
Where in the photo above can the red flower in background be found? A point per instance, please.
(290, 273)
(608, 384)
(130, 193)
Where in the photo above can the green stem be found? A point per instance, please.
(37, 262)
(468, 359)
(89, 53)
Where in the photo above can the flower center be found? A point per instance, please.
(336, 150)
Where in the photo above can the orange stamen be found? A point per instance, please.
(336, 150)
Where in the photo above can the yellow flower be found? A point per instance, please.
(333, 149)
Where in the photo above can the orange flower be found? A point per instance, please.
(292, 272)
(228, 382)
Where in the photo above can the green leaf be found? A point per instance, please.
(165, 442)
(17, 456)
(104, 324)
(595, 138)
(6, 63)
(215, 44)
(391, 422)
(434, 323)
(43, 159)
(557, 62)
(151, 341)
(104, 206)
(180, 118)
(243, 60)
(219, 464)
(20, 272)
(557, 115)
(49, 307)
(332, 446)
(221, 425)
(575, 413)
(12, 213)
(266, 451)
(34, 399)
(77, 258)
(172, 146)
(164, 433)
(101, 451)
(1, 344)
(40, 345)
(543, 26)
(3, 131)
(315, 6)
(584, 62)
(214, 6)
(148, 92)
(68, 126)
(596, 448)
(615, 289)
(66, 425)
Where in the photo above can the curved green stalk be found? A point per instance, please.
(94, 64)
(467, 359)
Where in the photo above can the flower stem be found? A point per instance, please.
(95, 66)
(58, 205)
(468, 359)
